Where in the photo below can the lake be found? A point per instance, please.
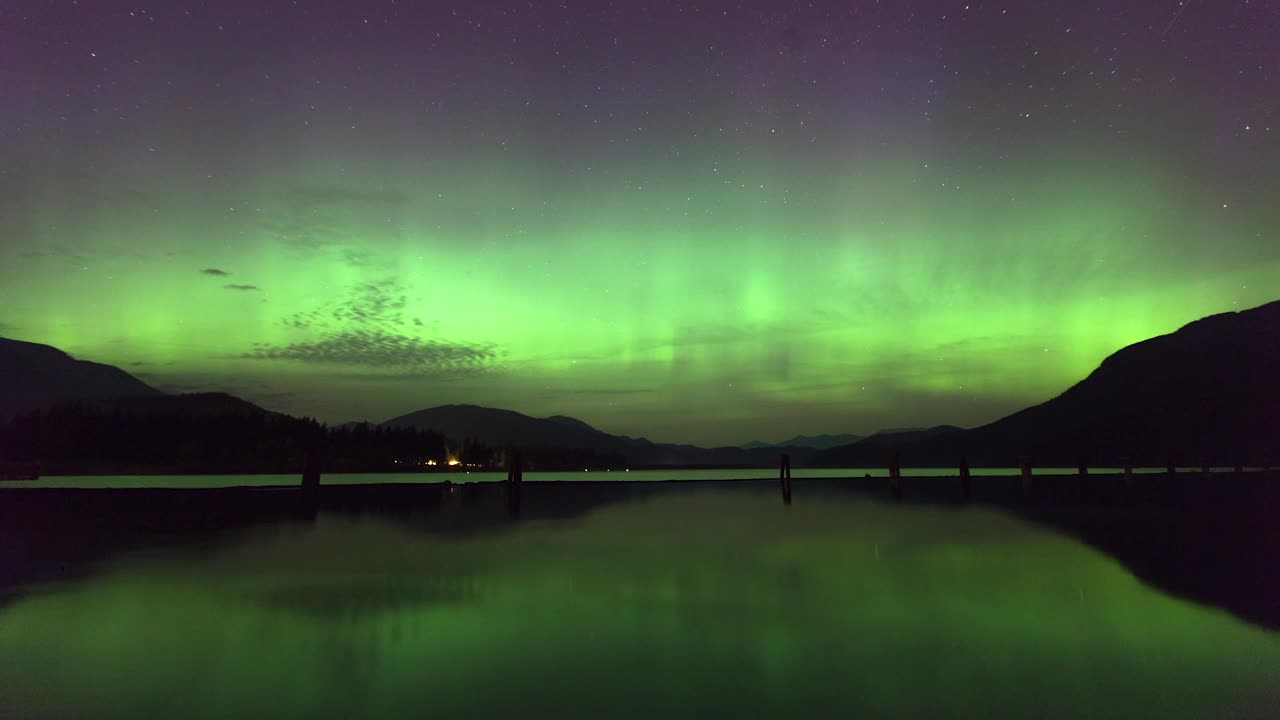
(696, 603)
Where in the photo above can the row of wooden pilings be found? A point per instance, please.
(1025, 472)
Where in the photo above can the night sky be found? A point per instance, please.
(695, 221)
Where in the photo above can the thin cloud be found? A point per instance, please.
(241, 287)
(215, 272)
(382, 350)
(373, 306)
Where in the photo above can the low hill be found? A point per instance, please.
(507, 427)
(497, 427)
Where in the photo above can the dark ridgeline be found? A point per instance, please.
(814, 442)
(34, 376)
(1208, 393)
(593, 448)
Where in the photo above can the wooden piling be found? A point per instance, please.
(895, 477)
(311, 473)
(784, 479)
(1024, 464)
(966, 482)
(515, 476)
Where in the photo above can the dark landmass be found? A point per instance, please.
(503, 428)
(206, 433)
(36, 376)
(1208, 393)
(813, 442)
(905, 437)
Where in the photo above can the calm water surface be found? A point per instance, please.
(706, 604)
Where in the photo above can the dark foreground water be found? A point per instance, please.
(707, 604)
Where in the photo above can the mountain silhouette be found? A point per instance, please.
(34, 376)
(815, 442)
(497, 427)
(507, 427)
(1209, 392)
(211, 404)
(899, 437)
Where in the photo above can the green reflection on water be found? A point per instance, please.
(697, 604)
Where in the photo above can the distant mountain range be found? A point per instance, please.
(815, 442)
(1209, 391)
(825, 442)
(498, 427)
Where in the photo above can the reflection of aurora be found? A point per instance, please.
(700, 604)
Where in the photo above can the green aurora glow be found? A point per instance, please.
(712, 279)
(695, 304)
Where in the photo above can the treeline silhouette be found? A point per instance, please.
(88, 438)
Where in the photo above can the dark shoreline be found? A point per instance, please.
(1211, 540)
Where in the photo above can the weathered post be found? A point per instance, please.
(450, 496)
(310, 501)
(515, 475)
(966, 482)
(1082, 473)
(784, 479)
(1206, 469)
(1128, 472)
(895, 477)
(311, 473)
(1172, 469)
(1025, 466)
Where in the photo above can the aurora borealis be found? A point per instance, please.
(706, 222)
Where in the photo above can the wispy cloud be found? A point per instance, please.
(215, 272)
(372, 305)
(377, 349)
(369, 326)
(241, 287)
